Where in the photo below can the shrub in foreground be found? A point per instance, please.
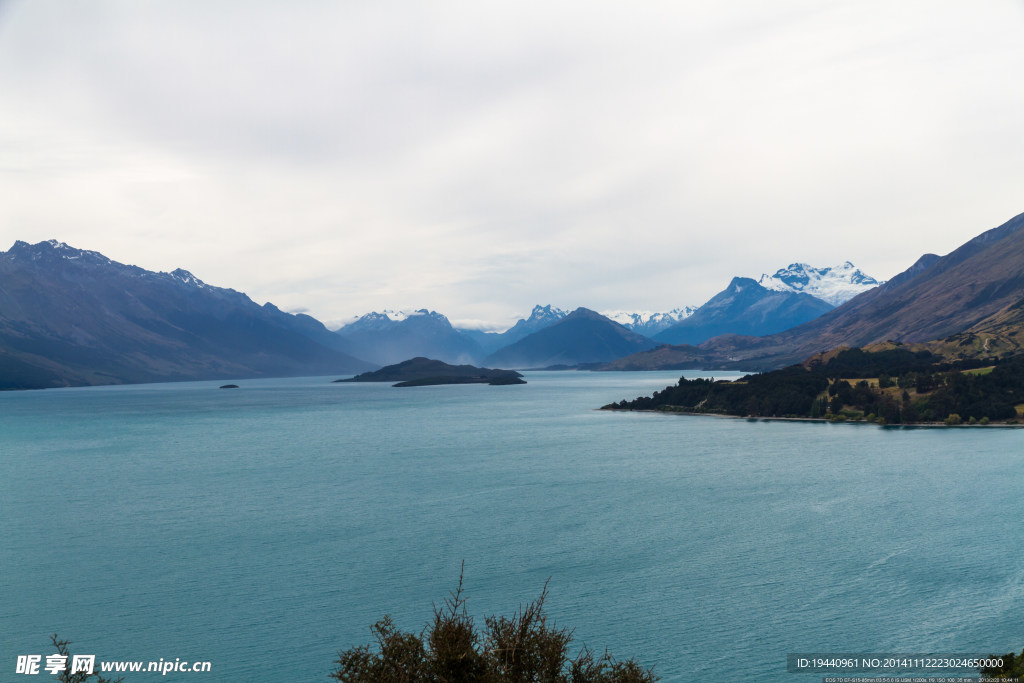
(1012, 668)
(522, 649)
(65, 675)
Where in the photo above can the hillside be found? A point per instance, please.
(857, 385)
(1001, 335)
(70, 317)
(745, 307)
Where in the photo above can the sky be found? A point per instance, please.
(478, 157)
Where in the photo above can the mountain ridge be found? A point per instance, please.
(649, 323)
(71, 317)
(539, 318)
(834, 285)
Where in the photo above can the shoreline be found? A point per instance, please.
(758, 418)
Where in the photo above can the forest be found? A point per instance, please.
(895, 386)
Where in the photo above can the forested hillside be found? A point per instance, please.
(890, 387)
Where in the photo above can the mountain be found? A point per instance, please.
(835, 285)
(744, 307)
(540, 317)
(390, 337)
(648, 323)
(583, 336)
(934, 299)
(791, 296)
(70, 317)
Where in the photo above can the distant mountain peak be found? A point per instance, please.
(547, 312)
(398, 316)
(187, 278)
(582, 313)
(388, 317)
(738, 284)
(649, 323)
(582, 336)
(426, 316)
(920, 265)
(387, 337)
(54, 249)
(835, 285)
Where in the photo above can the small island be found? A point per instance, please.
(421, 372)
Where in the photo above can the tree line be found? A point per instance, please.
(895, 386)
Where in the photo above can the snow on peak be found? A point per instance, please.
(399, 316)
(836, 284)
(388, 315)
(54, 249)
(380, 319)
(548, 312)
(648, 322)
(182, 275)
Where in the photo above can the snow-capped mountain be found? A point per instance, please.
(583, 336)
(53, 252)
(835, 285)
(648, 323)
(540, 317)
(387, 318)
(746, 308)
(393, 336)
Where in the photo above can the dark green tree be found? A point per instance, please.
(66, 676)
(524, 648)
(1013, 667)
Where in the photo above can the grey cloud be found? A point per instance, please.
(476, 158)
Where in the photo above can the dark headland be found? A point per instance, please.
(420, 372)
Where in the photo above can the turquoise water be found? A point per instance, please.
(263, 529)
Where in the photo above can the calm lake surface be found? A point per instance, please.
(265, 528)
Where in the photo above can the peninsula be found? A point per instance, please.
(858, 385)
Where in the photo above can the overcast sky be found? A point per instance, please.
(477, 157)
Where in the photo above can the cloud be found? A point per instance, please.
(477, 158)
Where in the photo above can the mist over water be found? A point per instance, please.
(265, 528)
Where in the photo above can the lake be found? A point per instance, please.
(266, 528)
